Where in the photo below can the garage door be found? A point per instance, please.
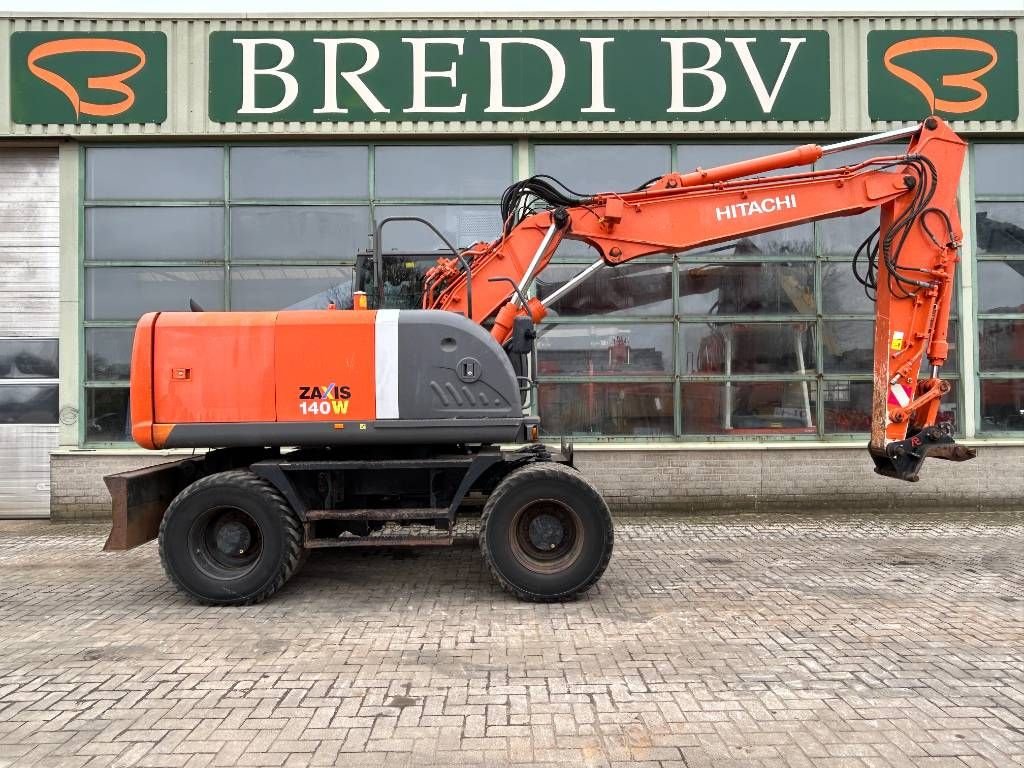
(29, 222)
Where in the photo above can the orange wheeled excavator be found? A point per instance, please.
(365, 425)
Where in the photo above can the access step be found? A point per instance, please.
(397, 514)
(444, 540)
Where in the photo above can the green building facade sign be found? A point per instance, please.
(961, 75)
(88, 77)
(525, 75)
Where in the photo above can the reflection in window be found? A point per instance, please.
(999, 228)
(747, 288)
(126, 293)
(847, 406)
(633, 349)
(1001, 345)
(267, 288)
(737, 408)
(300, 173)
(1001, 286)
(631, 289)
(108, 420)
(634, 409)
(23, 358)
(28, 404)
(108, 353)
(1002, 405)
(290, 232)
(591, 168)
(713, 348)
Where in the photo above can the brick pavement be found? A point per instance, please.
(736, 641)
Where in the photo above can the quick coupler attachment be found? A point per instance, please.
(902, 459)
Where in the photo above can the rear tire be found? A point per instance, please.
(230, 539)
(546, 534)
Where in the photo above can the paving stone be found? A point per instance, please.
(738, 640)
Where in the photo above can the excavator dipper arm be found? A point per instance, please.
(907, 265)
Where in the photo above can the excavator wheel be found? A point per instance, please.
(546, 533)
(230, 539)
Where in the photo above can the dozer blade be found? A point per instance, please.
(902, 459)
(140, 497)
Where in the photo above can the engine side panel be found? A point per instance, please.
(323, 377)
(326, 366)
(213, 367)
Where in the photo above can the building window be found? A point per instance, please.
(999, 259)
(247, 227)
(767, 336)
(28, 381)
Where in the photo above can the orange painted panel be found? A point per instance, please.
(325, 366)
(214, 367)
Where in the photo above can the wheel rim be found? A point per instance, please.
(546, 536)
(225, 542)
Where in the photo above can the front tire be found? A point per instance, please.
(230, 539)
(546, 533)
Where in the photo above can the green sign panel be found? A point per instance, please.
(524, 75)
(962, 75)
(88, 77)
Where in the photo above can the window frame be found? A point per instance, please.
(981, 376)
(226, 262)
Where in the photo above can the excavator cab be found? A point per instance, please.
(400, 283)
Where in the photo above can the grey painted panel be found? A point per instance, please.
(25, 479)
(435, 348)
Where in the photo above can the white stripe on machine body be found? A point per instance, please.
(386, 363)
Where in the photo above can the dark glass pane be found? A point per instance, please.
(463, 225)
(154, 173)
(108, 353)
(999, 169)
(453, 171)
(795, 242)
(843, 236)
(126, 293)
(848, 346)
(603, 408)
(300, 173)
(154, 234)
(840, 291)
(747, 288)
(287, 232)
(28, 359)
(999, 228)
(28, 403)
(256, 288)
(591, 168)
(613, 350)
(631, 289)
(1002, 405)
(738, 408)
(1001, 345)
(1001, 286)
(848, 407)
(747, 348)
(107, 418)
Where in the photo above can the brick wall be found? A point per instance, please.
(659, 481)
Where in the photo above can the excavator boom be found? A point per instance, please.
(907, 265)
